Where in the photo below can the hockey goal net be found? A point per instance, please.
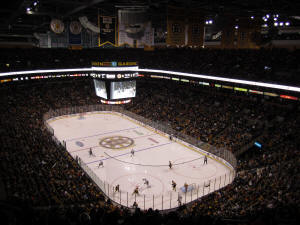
(189, 188)
(81, 116)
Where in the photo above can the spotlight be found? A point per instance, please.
(236, 27)
(287, 23)
(268, 16)
(252, 17)
(281, 24)
(275, 24)
(29, 11)
(210, 21)
(35, 3)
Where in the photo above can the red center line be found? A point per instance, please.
(78, 150)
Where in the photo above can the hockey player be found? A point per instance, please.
(205, 160)
(170, 165)
(132, 153)
(174, 185)
(91, 152)
(100, 164)
(146, 182)
(207, 185)
(136, 191)
(117, 188)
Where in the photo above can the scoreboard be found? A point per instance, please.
(113, 90)
(115, 86)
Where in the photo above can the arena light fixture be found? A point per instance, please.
(135, 68)
(129, 68)
(287, 23)
(231, 80)
(209, 22)
(275, 24)
(29, 11)
(44, 71)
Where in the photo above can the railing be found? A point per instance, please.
(168, 201)
(172, 199)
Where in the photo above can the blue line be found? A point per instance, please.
(101, 134)
(130, 153)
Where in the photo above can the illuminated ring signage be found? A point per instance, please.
(136, 69)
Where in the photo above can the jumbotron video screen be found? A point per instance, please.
(115, 90)
(100, 88)
(122, 89)
(115, 82)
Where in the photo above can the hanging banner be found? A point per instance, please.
(195, 29)
(75, 33)
(176, 26)
(57, 26)
(107, 25)
(84, 21)
(135, 29)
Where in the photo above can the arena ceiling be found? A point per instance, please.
(16, 21)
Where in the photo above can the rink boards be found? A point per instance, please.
(112, 136)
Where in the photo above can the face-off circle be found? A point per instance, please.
(116, 142)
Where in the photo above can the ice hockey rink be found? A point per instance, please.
(112, 136)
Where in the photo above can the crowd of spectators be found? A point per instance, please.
(44, 185)
(270, 65)
(214, 117)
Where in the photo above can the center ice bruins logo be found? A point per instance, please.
(116, 142)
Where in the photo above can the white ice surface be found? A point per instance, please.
(151, 148)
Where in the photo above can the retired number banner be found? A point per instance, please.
(107, 25)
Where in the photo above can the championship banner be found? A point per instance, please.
(195, 30)
(107, 25)
(75, 33)
(176, 26)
